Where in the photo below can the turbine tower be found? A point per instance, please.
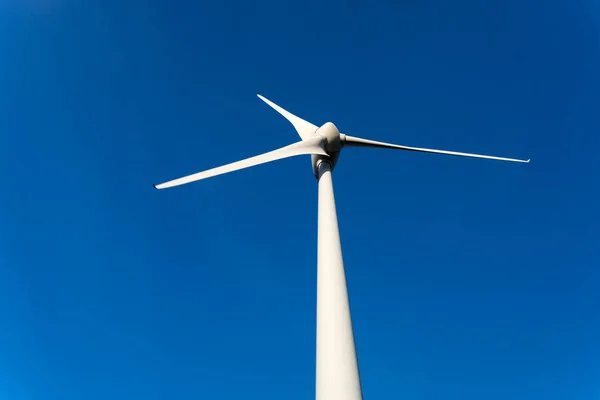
(337, 374)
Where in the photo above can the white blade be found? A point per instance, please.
(358, 142)
(312, 146)
(304, 128)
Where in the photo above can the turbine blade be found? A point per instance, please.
(311, 146)
(358, 142)
(304, 128)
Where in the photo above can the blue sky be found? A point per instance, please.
(468, 278)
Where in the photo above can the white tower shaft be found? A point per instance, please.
(337, 375)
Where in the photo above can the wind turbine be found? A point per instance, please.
(337, 374)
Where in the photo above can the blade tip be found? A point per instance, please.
(263, 98)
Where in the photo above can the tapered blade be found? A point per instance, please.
(311, 146)
(304, 128)
(358, 142)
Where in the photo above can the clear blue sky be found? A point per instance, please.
(469, 279)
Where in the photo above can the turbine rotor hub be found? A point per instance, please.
(331, 143)
(331, 135)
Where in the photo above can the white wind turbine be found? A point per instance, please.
(337, 375)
